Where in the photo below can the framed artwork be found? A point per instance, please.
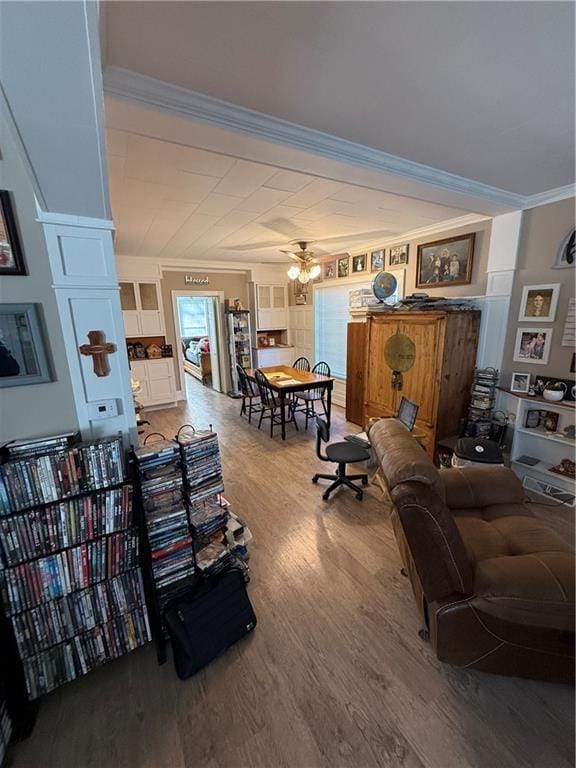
(539, 302)
(445, 262)
(533, 345)
(377, 260)
(343, 266)
(300, 299)
(329, 270)
(23, 357)
(398, 255)
(11, 257)
(359, 263)
(520, 382)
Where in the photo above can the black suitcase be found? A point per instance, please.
(210, 620)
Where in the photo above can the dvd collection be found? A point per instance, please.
(203, 468)
(165, 517)
(65, 524)
(482, 398)
(54, 576)
(5, 729)
(39, 479)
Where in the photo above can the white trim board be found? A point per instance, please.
(132, 86)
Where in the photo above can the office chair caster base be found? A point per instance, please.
(424, 634)
(325, 496)
(315, 479)
(404, 572)
(364, 481)
(359, 495)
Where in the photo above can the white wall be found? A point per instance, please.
(38, 409)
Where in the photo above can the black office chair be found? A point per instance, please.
(339, 453)
(250, 395)
(311, 396)
(301, 364)
(271, 405)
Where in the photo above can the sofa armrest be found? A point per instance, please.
(471, 487)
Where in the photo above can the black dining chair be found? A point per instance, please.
(339, 453)
(270, 405)
(312, 396)
(301, 364)
(250, 395)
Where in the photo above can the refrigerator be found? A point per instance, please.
(239, 345)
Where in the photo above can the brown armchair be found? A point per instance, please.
(494, 583)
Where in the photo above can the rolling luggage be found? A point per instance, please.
(208, 621)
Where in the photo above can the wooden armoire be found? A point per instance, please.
(439, 382)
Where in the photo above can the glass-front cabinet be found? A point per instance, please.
(141, 308)
(271, 307)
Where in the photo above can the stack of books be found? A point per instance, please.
(166, 519)
(69, 577)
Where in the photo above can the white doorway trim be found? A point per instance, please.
(221, 385)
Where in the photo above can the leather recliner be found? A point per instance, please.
(494, 583)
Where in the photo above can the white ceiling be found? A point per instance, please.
(484, 90)
(177, 202)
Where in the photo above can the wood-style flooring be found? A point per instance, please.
(334, 674)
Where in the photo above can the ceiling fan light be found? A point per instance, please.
(304, 276)
(293, 272)
(315, 271)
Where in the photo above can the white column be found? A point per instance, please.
(502, 264)
(86, 286)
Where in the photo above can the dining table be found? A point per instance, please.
(285, 380)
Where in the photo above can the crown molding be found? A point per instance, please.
(70, 220)
(550, 196)
(132, 86)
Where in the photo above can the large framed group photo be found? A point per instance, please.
(445, 262)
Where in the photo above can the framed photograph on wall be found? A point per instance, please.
(359, 263)
(377, 260)
(533, 345)
(23, 356)
(520, 382)
(11, 256)
(330, 270)
(343, 266)
(539, 302)
(398, 255)
(445, 262)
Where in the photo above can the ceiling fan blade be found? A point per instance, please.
(252, 247)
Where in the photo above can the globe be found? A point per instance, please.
(384, 285)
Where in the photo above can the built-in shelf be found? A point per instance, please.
(569, 405)
(540, 432)
(544, 469)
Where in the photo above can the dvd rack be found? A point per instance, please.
(482, 398)
(5, 725)
(71, 588)
(166, 535)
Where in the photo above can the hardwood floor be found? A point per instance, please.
(335, 673)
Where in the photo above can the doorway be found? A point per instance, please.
(198, 325)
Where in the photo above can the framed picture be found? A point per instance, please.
(445, 262)
(520, 382)
(359, 263)
(377, 260)
(23, 358)
(539, 302)
(300, 299)
(329, 270)
(11, 257)
(398, 255)
(343, 266)
(533, 345)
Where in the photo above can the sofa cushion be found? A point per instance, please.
(402, 458)
(497, 485)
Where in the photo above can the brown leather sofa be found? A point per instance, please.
(494, 583)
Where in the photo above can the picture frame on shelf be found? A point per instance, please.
(520, 383)
(533, 345)
(359, 263)
(343, 266)
(445, 262)
(539, 302)
(23, 353)
(377, 260)
(300, 299)
(398, 255)
(330, 270)
(11, 254)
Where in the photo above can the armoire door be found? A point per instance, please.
(379, 396)
(355, 356)
(420, 383)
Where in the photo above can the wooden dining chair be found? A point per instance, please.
(250, 395)
(301, 364)
(271, 405)
(312, 396)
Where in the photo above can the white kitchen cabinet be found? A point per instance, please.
(268, 356)
(142, 308)
(156, 379)
(271, 307)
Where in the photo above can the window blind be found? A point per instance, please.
(192, 315)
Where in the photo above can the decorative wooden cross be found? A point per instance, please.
(99, 350)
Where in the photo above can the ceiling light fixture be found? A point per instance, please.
(303, 270)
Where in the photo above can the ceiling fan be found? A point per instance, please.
(305, 269)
